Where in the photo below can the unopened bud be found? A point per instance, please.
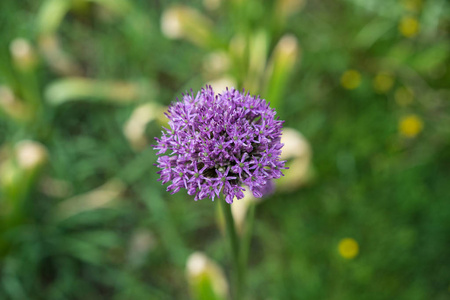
(23, 54)
(298, 152)
(185, 22)
(295, 144)
(201, 271)
(239, 209)
(30, 154)
(287, 49)
(134, 128)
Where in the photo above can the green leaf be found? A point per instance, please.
(431, 58)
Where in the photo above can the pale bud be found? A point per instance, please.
(23, 54)
(287, 49)
(202, 270)
(185, 22)
(239, 209)
(295, 145)
(134, 128)
(298, 152)
(30, 154)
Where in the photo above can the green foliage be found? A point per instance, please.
(86, 218)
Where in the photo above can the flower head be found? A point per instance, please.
(410, 126)
(409, 26)
(351, 79)
(217, 143)
(348, 248)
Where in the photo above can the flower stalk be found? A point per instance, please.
(238, 267)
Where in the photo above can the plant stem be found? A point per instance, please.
(234, 243)
(246, 239)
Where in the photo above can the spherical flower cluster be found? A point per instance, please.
(217, 143)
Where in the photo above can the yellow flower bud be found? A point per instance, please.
(410, 126)
(409, 26)
(383, 82)
(351, 79)
(348, 248)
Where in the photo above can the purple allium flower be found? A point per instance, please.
(217, 143)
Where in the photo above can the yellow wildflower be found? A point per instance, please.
(351, 79)
(383, 82)
(348, 248)
(409, 26)
(410, 126)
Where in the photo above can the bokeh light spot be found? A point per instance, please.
(351, 79)
(348, 248)
(409, 27)
(383, 82)
(410, 126)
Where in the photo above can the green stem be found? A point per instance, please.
(246, 240)
(234, 242)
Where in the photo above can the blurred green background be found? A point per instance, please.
(83, 85)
